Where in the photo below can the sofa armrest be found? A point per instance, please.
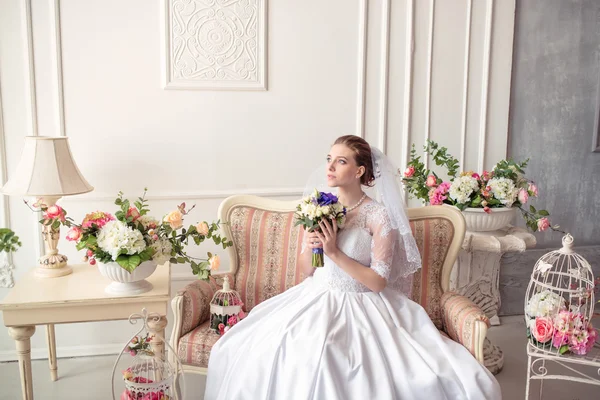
(464, 322)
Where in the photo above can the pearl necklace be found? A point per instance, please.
(348, 209)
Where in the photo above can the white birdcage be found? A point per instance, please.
(149, 374)
(559, 306)
(225, 308)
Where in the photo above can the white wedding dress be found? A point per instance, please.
(330, 337)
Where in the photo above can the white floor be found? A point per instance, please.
(89, 378)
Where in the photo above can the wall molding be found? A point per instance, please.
(429, 71)
(361, 92)
(485, 88)
(260, 41)
(463, 130)
(30, 65)
(6, 275)
(195, 195)
(60, 102)
(41, 353)
(32, 107)
(384, 76)
(408, 77)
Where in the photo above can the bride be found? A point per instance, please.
(349, 331)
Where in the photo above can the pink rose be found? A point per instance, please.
(74, 234)
(431, 181)
(133, 213)
(487, 210)
(543, 224)
(55, 212)
(533, 190)
(221, 328)
(202, 228)
(523, 196)
(410, 171)
(92, 261)
(475, 175)
(543, 329)
(232, 320)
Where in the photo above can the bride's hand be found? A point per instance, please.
(312, 241)
(328, 236)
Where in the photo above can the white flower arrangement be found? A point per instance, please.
(545, 303)
(462, 188)
(116, 238)
(504, 189)
(162, 250)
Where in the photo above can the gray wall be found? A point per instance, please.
(553, 108)
(552, 120)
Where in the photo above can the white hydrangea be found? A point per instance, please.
(462, 188)
(117, 238)
(162, 250)
(504, 190)
(545, 303)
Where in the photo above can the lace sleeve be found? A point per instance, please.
(383, 242)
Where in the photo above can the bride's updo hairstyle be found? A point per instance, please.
(362, 156)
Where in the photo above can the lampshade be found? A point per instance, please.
(46, 169)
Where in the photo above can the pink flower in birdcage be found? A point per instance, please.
(543, 329)
(563, 325)
(232, 320)
(578, 341)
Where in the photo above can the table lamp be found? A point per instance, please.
(47, 171)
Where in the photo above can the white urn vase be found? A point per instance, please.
(127, 283)
(479, 221)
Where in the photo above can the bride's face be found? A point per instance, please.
(341, 168)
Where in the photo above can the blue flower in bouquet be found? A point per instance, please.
(327, 199)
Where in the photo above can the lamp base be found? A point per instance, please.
(45, 272)
(53, 266)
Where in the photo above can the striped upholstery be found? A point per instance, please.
(196, 300)
(460, 316)
(433, 237)
(194, 347)
(268, 246)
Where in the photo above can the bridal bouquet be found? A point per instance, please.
(504, 186)
(313, 209)
(131, 236)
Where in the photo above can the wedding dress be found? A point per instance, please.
(330, 337)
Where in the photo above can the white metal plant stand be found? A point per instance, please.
(559, 307)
